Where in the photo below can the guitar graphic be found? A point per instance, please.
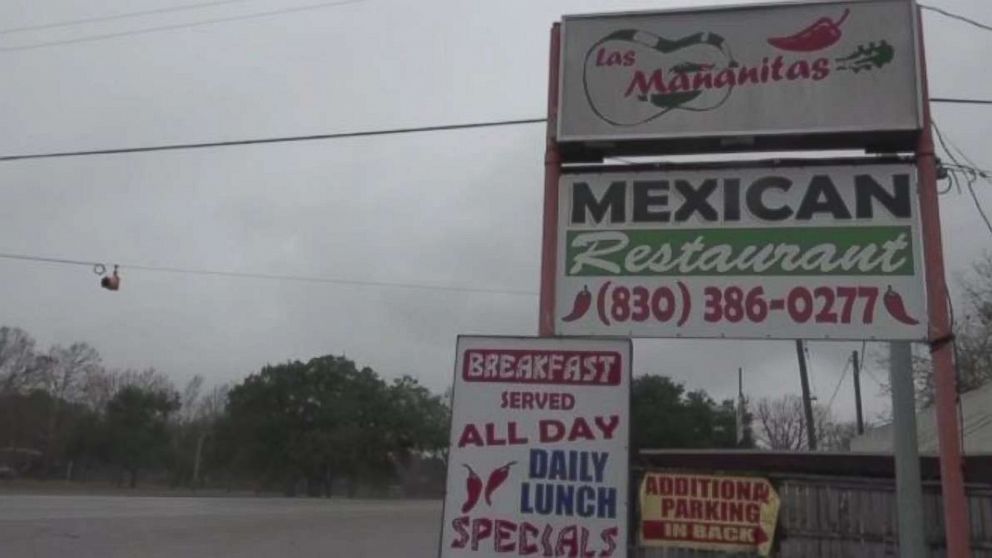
(700, 52)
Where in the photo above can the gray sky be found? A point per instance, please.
(459, 208)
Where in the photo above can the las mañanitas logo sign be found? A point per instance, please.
(538, 461)
(772, 252)
(707, 83)
(803, 69)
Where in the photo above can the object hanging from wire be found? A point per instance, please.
(110, 282)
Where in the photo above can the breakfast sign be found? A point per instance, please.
(538, 461)
(824, 251)
(802, 71)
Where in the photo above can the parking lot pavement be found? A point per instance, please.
(120, 526)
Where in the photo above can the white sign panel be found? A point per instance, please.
(786, 252)
(789, 69)
(538, 462)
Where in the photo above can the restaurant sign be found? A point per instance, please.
(817, 251)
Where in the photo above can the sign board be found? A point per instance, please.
(771, 252)
(817, 74)
(538, 461)
(728, 514)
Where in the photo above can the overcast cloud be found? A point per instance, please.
(459, 208)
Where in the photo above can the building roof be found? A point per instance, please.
(976, 407)
(978, 468)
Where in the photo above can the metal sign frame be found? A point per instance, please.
(940, 338)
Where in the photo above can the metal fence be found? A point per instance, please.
(837, 517)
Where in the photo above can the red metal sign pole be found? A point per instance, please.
(957, 527)
(552, 170)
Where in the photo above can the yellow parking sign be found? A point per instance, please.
(708, 512)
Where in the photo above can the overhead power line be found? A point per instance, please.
(958, 17)
(64, 261)
(123, 15)
(269, 276)
(978, 206)
(282, 139)
(90, 38)
(205, 5)
(313, 137)
(984, 173)
(865, 369)
(840, 382)
(969, 169)
(961, 101)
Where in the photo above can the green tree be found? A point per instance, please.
(663, 415)
(137, 428)
(310, 421)
(327, 419)
(84, 444)
(418, 420)
(417, 423)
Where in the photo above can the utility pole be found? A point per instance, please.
(740, 406)
(807, 400)
(857, 392)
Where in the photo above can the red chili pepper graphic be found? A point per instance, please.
(496, 479)
(583, 300)
(473, 488)
(821, 34)
(897, 308)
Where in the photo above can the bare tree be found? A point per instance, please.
(18, 361)
(98, 389)
(18, 372)
(101, 385)
(65, 369)
(781, 425)
(973, 342)
(836, 436)
(195, 421)
(972, 337)
(212, 405)
(190, 400)
(209, 409)
(148, 379)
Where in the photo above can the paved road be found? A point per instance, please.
(116, 527)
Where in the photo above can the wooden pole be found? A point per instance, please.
(857, 392)
(807, 399)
